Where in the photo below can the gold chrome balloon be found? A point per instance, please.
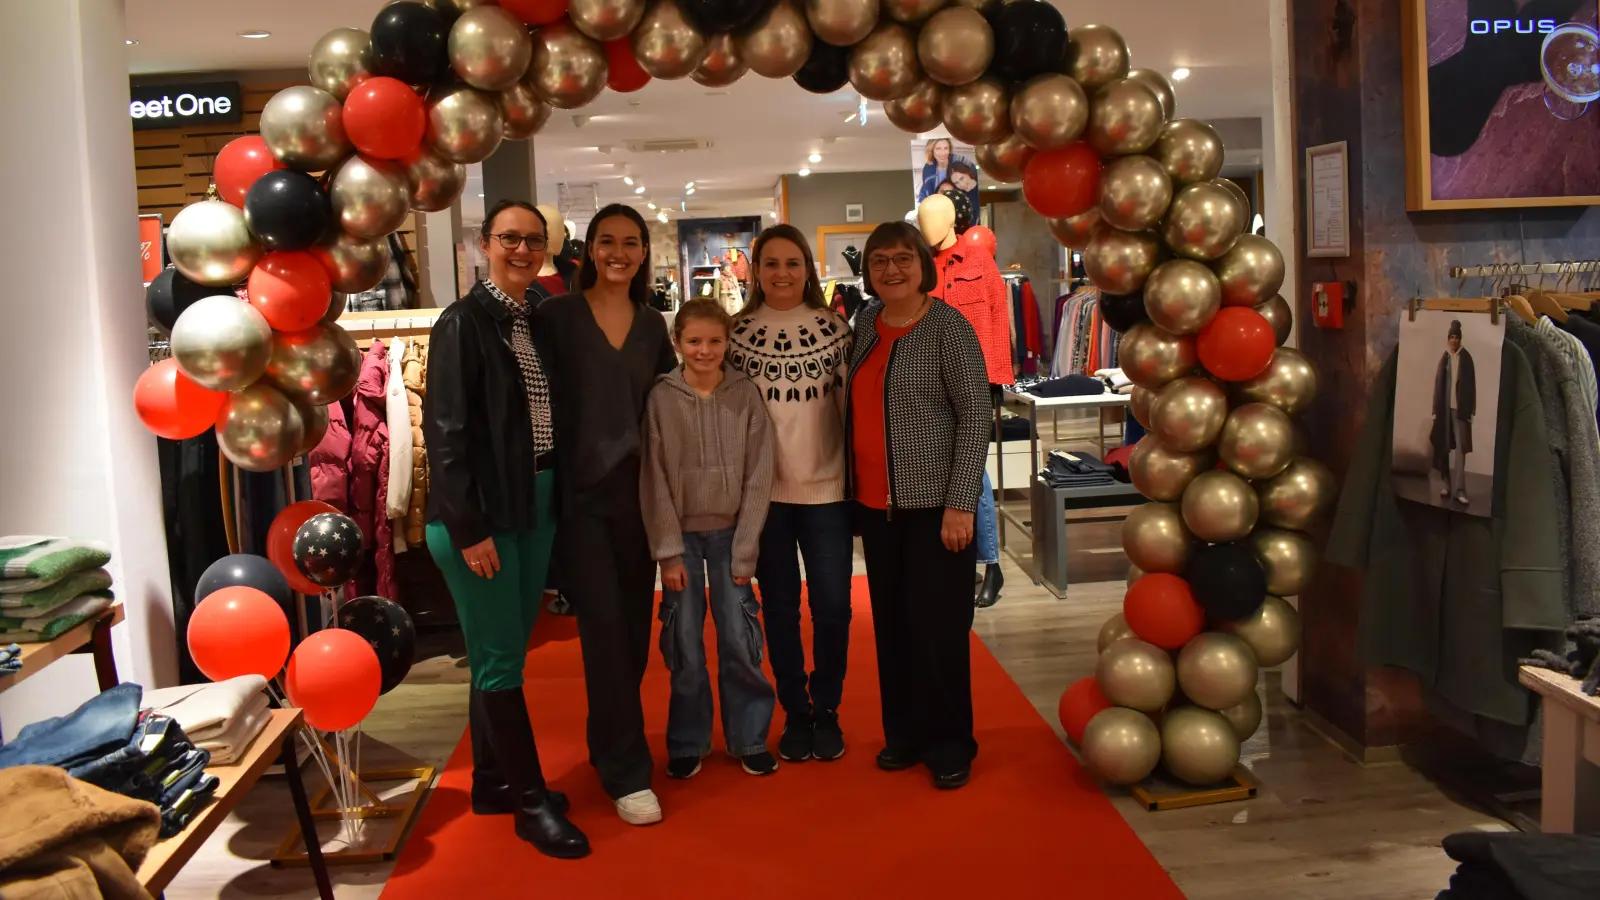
(1139, 400)
(1299, 495)
(210, 243)
(303, 126)
(1115, 629)
(1119, 262)
(1182, 296)
(1188, 413)
(569, 68)
(1152, 357)
(370, 197)
(665, 44)
(606, 20)
(1076, 231)
(1050, 111)
(522, 113)
(780, 43)
(1251, 272)
(1289, 558)
(722, 65)
(919, 111)
(317, 366)
(1205, 221)
(1198, 746)
(315, 420)
(435, 183)
(1190, 150)
(1160, 86)
(1289, 382)
(489, 48)
(910, 12)
(1005, 160)
(221, 342)
(1161, 473)
(1121, 746)
(1272, 632)
(1155, 538)
(1134, 192)
(1124, 118)
(977, 113)
(464, 123)
(1257, 441)
(1232, 187)
(1245, 717)
(340, 60)
(1216, 670)
(1276, 311)
(1135, 674)
(955, 46)
(1220, 507)
(259, 430)
(1098, 56)
(883, 66)
(353, 264)
(1134, 574)
(842, 23)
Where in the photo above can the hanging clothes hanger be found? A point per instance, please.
(1524, 310)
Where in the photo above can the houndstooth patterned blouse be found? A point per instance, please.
(534, 382)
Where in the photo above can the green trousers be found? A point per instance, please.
(497, 614)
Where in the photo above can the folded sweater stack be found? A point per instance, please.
(50, 584)
(222, 718)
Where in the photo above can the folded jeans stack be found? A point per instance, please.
(1062, 469)
(222, 718)
(10, 659)
(49, 585)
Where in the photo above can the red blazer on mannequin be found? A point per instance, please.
(970, 281)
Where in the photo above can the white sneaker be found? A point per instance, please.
(640, 808)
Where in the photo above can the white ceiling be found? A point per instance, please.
(757, 129)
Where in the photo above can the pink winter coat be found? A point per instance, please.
(330, 462)
(369, 470)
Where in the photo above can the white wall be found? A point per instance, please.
(75, 460)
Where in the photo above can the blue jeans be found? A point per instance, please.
(747, 698)
(825, 536)
(987, 525)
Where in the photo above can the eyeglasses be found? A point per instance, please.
(533, 241)
(902, 261)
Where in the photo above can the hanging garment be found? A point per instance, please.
(397, 412)
(369, 481)
(970, 282)
(192, 511)
(1030, 322)
(330, 462)
(415, 375)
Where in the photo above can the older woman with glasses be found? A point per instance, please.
(918, 426)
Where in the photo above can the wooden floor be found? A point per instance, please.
(1322, 827)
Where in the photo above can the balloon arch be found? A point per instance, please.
(393, 115)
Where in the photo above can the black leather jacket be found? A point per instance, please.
(475, 421)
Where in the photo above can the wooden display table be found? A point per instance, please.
(1571, 794)
(94, 634)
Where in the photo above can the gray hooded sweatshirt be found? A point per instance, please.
(707, 466)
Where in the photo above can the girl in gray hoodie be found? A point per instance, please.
(706, 481)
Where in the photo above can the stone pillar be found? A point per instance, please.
(509, 174)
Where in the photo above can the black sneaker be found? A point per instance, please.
(762, 763)
(683, 767)
(795, 745)
(827, 741)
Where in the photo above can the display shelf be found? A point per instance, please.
(37, 655)
(1570, 778)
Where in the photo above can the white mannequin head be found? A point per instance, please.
(936, 219)
(557, 226)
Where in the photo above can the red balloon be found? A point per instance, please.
(335, 677)
(623, 73)
(1062, 182)
(537, 12)
(1081, 700)
(240, 162)
(172, 405)
(1161, 609)
(980, 237)
(280, 542)
(384, 118)
(290, 289)
(238, 631)
(1237, 344)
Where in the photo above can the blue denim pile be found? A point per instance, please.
(10, 659)
(108, 743)
(1063, 469)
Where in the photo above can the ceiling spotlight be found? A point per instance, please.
(814, 158)
(131, 42)
(651, 205)
(689, 191)
(255, 35)
(804, 172)
(480, 196)
(773, 214)
(1180, 73)
(850, 118)
(627, 180)
(639, 189)
(689, 186)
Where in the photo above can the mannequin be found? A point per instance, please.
(558, 270)
(970, 281)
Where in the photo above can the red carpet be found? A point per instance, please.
(1031, 824)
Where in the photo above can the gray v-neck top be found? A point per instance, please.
(599, 395)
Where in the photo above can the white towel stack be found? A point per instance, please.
(223, 718)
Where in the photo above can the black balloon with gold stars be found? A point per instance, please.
(387, 626)
(327, 548)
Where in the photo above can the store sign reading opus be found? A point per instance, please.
(166, 105)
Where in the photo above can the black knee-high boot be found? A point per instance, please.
(491, 795)
(517, 757)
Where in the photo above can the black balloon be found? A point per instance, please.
(327, 548)
(1227, 580)
(964, 212)
(169, 295)
(1030, 38)
(245, 570)
(1123, 311)
(387, 626)
(287, 210)
(717, 16)
(827, 69)
(409, 42)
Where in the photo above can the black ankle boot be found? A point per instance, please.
(993, 581)
(491, 796)
(537, 820)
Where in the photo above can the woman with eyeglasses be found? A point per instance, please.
(491, 506)
(918, 419)
(607, 348)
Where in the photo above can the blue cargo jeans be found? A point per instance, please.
(747, 696)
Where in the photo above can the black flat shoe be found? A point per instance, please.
(496, 800)
(957, 779)
(892, 760)
(993, 581)
(549, 831)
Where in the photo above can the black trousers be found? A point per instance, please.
(608, 576)
(921, 619)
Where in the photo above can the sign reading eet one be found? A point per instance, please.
(170, 105)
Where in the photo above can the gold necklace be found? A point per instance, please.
(921, 307)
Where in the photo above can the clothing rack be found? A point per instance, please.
(366, 326)
(1490, 305)
(1502, 270)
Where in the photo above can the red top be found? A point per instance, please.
(868, 430)
(553, 283)
(971, 282)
